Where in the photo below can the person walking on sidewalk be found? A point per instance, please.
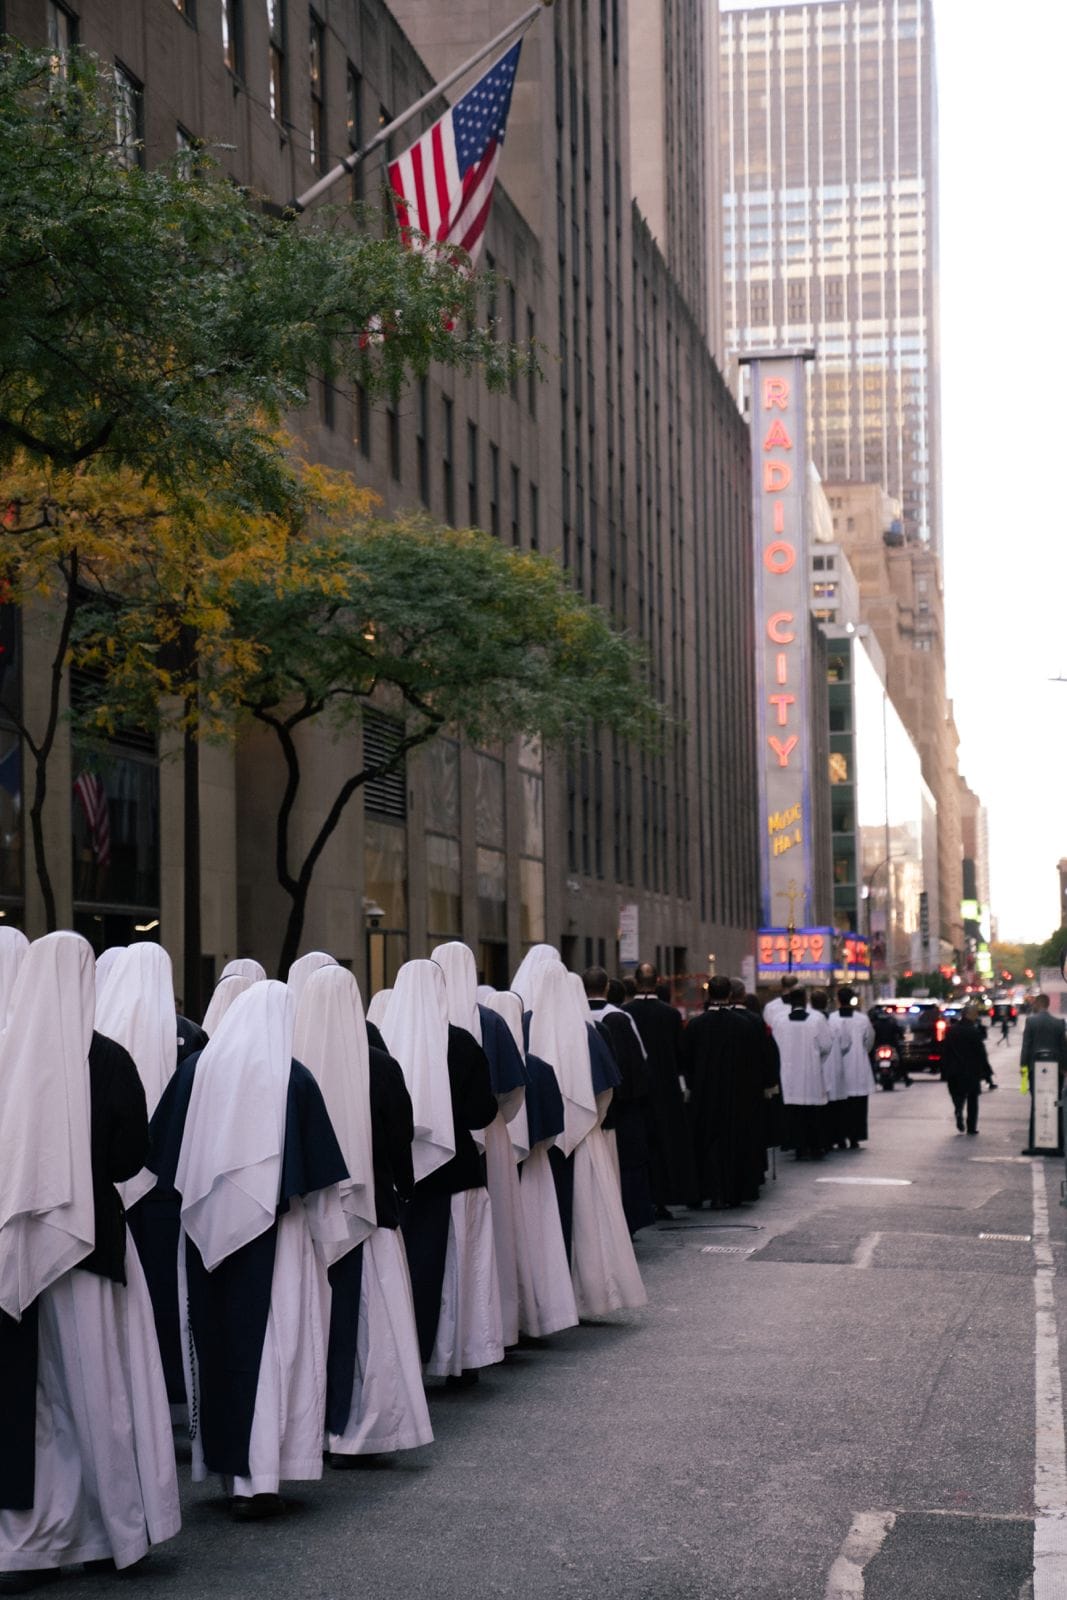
(1044, 1039)
(965, 1067)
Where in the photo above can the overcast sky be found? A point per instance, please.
(1003, 348)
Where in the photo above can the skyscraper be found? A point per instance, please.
(829, 130)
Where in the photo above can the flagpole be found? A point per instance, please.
(352, 161)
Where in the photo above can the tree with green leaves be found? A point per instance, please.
(441, 628)
(163, 324)
(166, 321)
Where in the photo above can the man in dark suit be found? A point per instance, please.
(964, 1065)
(1044, 1039)
(670, 1145)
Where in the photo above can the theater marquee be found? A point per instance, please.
(778, 406)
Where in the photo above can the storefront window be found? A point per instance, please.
(492, 894)
(115, 830)
(443, 910)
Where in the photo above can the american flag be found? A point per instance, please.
(93, 799)
(444, 183)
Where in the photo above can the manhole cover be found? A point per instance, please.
(1008, 1238)
(725, 1250)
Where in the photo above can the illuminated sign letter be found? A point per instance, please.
(783, 702)
(779, 557)
(776, 393)
(777, 476)
(777, 436)
(783, 749)
(776, 626)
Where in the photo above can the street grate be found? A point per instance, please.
(1008, 1238)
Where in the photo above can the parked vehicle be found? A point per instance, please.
(923, 1029)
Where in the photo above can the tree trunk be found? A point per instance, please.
(40, 857)
(192, 998)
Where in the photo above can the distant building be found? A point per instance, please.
(902, 598)
(828, 119)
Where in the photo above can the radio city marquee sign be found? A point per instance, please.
(778, 407)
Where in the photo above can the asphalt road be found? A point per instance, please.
(841, 1356)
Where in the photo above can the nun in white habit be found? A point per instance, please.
(229, 986)
(301, 971)
(448, 1227)
(456, 961)
(258, 1170)
(137, 1011)
(375, 1401)
(546, 1304)
(379, 1005)
(105, 962)
(86, 1456)
(244, 967)
(603, 1267)
(13, 947)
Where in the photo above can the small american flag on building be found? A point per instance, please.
(93, 799)
(444, 183)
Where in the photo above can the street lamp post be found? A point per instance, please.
(888, 921)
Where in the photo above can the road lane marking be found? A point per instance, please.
(864, 1251)
(862, 1543)
(1050, 1451)
(887, 1183)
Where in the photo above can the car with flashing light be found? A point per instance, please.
(923, 1028)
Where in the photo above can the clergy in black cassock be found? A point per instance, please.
(670, 1147)
(724, 1066)
(628, 1112)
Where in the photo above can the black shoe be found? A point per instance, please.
(973, 1132)
(24, 1582)
(368, 1462)
(959, 1124)
(663, 1215)
(855, 1145)
(462, 1380)
(256, 1507)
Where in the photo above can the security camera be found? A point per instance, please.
(373, 912)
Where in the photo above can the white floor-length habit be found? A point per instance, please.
(383, 1399)
(231, 1174)
(456, 960)
(104, 1481)
(546, 1294)
(603, 1266)
(469, 1331)
(604, 1271)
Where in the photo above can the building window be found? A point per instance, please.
(354, 121)
(515, 506)
(276, 59)
(422, 441)
(494, 490)
(447, 462)
(129, 117)
(363, 420)
(188, 148)
(233, 36)
(393, 421)
(317, 88)
(472, 474)
(62, 33)
(535, 518)
(531, 377)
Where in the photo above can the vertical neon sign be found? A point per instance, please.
(783, 666)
